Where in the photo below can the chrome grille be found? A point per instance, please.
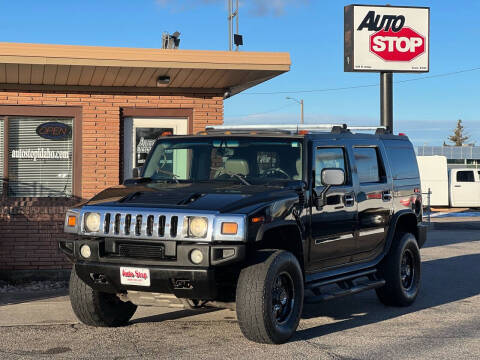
(145, 224)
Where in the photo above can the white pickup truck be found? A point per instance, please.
(458, 187)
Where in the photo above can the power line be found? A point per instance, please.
(359, 86)
(265, 112)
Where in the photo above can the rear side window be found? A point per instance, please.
(403, 161)
(465, 176)
(368, 166)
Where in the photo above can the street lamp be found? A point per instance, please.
(301, 106)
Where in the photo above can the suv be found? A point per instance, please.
(256, 217)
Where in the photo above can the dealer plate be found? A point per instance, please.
(134, 276)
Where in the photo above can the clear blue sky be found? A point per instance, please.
(311, 31)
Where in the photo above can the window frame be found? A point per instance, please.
(74, 112)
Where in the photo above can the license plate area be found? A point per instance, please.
(134, 276)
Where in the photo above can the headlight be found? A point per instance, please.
(197, 227)
(92, 222)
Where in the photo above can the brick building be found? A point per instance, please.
(76, 119)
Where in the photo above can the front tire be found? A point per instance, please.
(97, 308)
(401, 270)
(269, 298)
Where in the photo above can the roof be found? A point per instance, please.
(94, 66)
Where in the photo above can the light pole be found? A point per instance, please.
(301, 106)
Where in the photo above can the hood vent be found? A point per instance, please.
(192, 198)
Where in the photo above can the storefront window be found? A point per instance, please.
(40, 156)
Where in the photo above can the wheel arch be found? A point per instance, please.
(405, 221)
(283, 236)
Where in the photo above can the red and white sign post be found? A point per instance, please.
(386, 39)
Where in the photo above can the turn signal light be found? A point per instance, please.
(258, 219)
(72, 221)
(229, 228)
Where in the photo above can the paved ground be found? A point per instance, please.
(444, 323)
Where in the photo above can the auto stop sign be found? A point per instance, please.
(386, 38)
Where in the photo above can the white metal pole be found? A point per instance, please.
(230, 25)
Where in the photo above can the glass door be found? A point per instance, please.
(139, 136)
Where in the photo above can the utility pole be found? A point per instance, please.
(301, 109)
(301, 106)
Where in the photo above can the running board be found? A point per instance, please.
(347, 285)
(361, 286)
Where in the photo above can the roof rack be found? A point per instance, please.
(294, 128)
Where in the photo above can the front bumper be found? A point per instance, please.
(175, 274)
(183, 283)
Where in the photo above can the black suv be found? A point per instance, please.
(260, 218)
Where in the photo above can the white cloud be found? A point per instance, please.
(255, 8)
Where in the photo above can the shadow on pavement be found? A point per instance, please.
(443, 281)
(456, 233)
(22, 297)
(174, 315)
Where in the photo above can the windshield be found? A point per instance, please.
(242, 159)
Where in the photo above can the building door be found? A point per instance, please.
(140, 135)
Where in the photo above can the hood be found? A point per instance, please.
(222, 197)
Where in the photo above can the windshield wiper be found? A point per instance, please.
(174, 176)
(231, 174)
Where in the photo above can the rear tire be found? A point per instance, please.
(269, 298)
(401, 270)
(97, 308)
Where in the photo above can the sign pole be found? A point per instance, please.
(386, 100)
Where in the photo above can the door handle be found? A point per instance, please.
(458, 185)
(349, 199)
(387, 196)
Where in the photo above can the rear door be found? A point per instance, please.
(465, 188)
(374, 196)
(333, 226)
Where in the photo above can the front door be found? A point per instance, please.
(333, 226)
(465, 188)
(140, 135)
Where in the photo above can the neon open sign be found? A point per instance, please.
(54, 131)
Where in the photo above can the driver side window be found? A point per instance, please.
(328, 158)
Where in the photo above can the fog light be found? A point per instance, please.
(85, 251)
(196, 256)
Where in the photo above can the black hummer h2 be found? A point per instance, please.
(260, 217)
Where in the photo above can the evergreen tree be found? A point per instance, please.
(459, 137)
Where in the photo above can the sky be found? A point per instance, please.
(311, 31)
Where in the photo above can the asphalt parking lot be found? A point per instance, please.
(444, 323)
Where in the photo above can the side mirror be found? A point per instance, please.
(333, 177)
(136, 172)
(329, 177)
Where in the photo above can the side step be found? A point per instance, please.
(346, 285)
